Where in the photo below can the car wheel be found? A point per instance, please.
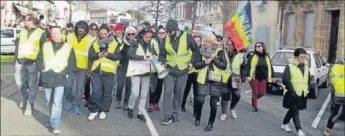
(325, 84)
(313, 92)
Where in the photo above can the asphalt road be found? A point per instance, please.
(266, 122)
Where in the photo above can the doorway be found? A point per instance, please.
(333, 39)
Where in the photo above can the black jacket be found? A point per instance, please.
(219, 62)
(242, 67)
(174, 71)
(51, 79)
(94, 56)
(261, 69)
(133, 49)
(24, 61)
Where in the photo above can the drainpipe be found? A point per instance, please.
(280, 20)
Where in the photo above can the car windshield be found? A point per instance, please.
(281, 58)
(7, 33)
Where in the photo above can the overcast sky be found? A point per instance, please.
(116, 4)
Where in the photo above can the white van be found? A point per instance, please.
(8, 37)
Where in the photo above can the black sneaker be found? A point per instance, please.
(175, 119)
(167, 121)
(130, 113)
(184, 109)
(255, 110)
(141, 117)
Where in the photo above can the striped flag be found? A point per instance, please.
(239, 28)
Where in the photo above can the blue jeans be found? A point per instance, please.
(56, 105)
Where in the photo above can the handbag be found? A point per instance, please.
(212, 76)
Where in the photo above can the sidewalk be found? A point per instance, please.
(13, 122)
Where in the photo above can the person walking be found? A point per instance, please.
(296, 80)
(68, 30)
(156, 83)
(81, 42)
(27, 51)
(192, 80)
(211, 78)
(260, 73)
(337, 77)
(141, 51)
(86, 95)
(105, 55)
(237, 71)
(59, 61)
(176, 54)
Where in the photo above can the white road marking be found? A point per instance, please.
(322, 110)
(150, 125)
(248, 91)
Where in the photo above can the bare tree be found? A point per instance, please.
(157, 8)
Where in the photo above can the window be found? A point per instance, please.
(290, 27)
(320, 58)
(7, 33)
(282, 58)
(308, 29)
(317, 60)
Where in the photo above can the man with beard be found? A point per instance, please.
(81, 41)
(177, 55)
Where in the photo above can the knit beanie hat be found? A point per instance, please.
(172, 25)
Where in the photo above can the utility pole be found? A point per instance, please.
(70, 10)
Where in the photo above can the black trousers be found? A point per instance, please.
(102, 89)
(87, 88)
(156, 89)
(337, 111)
(123, 81)
(192, 80)
(234, 94)
(294, 114)
(199, 104)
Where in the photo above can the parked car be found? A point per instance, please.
(318, 70)
(8, 37)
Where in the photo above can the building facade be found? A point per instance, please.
(315, 24)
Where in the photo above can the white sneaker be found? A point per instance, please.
(21, 104)
(92, 116)
(286, 127)
(102, 115)
(28, 110)
(233, 114)
(56, 131)
(218, 104)
(300, 133)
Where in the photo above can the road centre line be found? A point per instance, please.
(322, 110)
(150, 125)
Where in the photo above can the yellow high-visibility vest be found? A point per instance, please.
(81, 49)
(298, 79)
(29, 47)
(182, 57)
(218, 72)
(64, 37)
(56, 61)
(155, 46)
(140, 52)
(253, 64)
(337, 76)
(236, 64)
(107, 65)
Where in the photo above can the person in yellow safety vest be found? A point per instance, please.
(105, 54)
(236, 70)
(192, 76)
(296, 80)
(59, 61)
(69, 30)
(337, 77)
(86, 95)
(176, 54)
(156, 86)
(259, 73)
(81, 42)
(142, 51)
(27, 54)
(212, 64)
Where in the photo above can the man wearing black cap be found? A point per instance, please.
(177, 55)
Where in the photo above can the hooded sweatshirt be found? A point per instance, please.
(81, 24)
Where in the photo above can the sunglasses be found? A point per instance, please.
(161, 32)
(258, 46)
(95, 29)
(131, 34)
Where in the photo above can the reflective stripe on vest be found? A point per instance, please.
(155, 46)
(337, 76)
(29, 46)
(253, 64)
(182, 57)
(236, 64)
(81, 49)
(298, 80)
(107, 65)
(56, 61)
(203, 72)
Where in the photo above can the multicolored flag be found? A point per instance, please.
(239, 28)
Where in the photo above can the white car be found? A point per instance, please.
(318, 70)
(8, 37)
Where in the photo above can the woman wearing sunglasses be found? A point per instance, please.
(260, 71)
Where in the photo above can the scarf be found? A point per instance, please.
(207, 52)
(107, 42)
